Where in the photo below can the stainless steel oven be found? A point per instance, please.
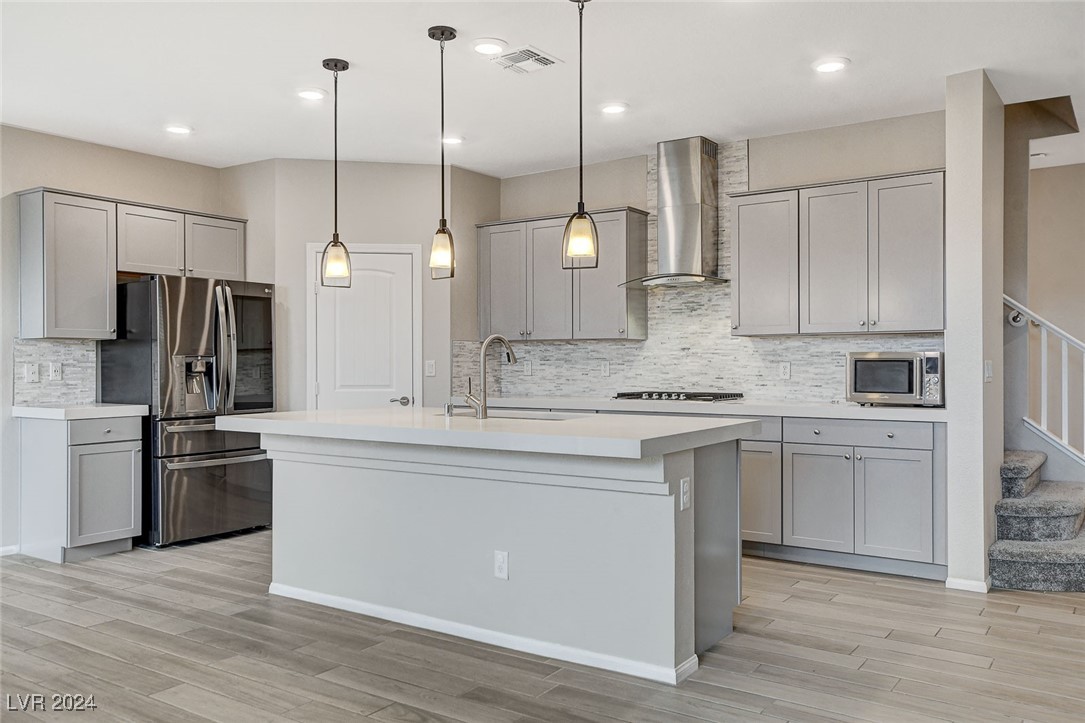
(913, 379)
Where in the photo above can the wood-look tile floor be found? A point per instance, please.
(190, 633)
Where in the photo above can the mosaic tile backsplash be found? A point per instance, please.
(689, 344)
(79, 361)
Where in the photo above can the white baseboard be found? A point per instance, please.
(640, 669)
(960, 583)
(9, 550)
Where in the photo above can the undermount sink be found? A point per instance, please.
(516, 414)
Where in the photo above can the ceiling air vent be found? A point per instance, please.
(525, 60)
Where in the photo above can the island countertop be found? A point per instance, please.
(625, 436)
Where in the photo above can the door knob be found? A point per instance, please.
(405, 401)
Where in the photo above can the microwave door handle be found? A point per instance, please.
(233, 351)
(919, 378)
(223, 352)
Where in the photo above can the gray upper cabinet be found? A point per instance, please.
(907, 253)
(833, 259)
(549, 287)
(761, 506)
(818, 493)
(765, 284)
(523, 292)
(214, 248)
(602, 308)
(894, 503)
(68, 266)
(150, 240)
(502, 288)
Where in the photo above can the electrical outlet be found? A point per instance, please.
(605, 369)
(687, 494)
(30, 373)
(501, 564)
(988, 371)
(56, 371)
(527, 367)
(785, 370)
(431, 368)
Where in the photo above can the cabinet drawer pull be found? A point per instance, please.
(847, 456)
(108, 430)
(890, 435)
(817, 431)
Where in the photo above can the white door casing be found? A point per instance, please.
(364, 343)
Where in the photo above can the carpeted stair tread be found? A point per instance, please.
(1063, 552)
(1021, 463)
(1021, 472)
(1049, 499)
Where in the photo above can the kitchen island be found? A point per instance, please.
(611, 541)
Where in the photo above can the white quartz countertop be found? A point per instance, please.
(80, 411)
(743, 407)
(630, 437)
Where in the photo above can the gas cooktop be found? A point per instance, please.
(682, 396)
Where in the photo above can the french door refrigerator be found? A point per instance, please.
(193, 349)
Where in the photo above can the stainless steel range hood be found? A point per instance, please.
(688, 219)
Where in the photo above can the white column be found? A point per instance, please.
(974, 276)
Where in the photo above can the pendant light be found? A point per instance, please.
(335, 263)
(580, 247)
(442, 255)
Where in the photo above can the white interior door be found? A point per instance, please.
(366, 335)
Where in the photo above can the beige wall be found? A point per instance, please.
(30, 159)
(475, 198)
(860, 150)
(610, 184)
(248, 192)
(1056, 270)
(974, 247)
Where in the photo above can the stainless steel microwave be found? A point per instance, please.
(913, 379)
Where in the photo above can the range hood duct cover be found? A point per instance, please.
(687, 213)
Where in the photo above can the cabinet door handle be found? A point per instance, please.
(621, 331)
(734, 326)
(890, 435)
(873, 322)
(817, 431)
(847, 456)
(862, 323)
(521, 332)
(858, 458)
(529, 333)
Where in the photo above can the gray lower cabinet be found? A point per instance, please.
(761, 504)
(67, 266)
(214, 248)
(894, 503)
(150, 240)
(525, 294)
(818, 496)
(765, 264)
(104, 492)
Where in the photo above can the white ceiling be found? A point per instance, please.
(116, 73)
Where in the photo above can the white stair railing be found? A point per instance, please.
(1071, 349)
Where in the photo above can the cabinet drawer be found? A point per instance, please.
(114, 429)
(860, 433)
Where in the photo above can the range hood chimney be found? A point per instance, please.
(687, 212)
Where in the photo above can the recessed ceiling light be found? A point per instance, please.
(1037, 155)
(312, 93)
(452, 140)
(614, 108)
(830, 65)
(490, 46)
(178, 129)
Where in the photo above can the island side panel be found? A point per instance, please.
(718, 544)
(591, 571)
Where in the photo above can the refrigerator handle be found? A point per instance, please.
(233, 351)
(221, 359)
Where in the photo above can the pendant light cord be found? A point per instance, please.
(581, 6)
(335, 161)
(442, 134)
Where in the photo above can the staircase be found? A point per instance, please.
(1041, 541)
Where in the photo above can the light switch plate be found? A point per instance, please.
(605, 369)
(30, 373)
(431, 368)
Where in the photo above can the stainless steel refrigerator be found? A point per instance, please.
(193, 349)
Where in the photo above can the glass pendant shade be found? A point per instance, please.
(335, 264)
(442, 255)
(580, 247)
